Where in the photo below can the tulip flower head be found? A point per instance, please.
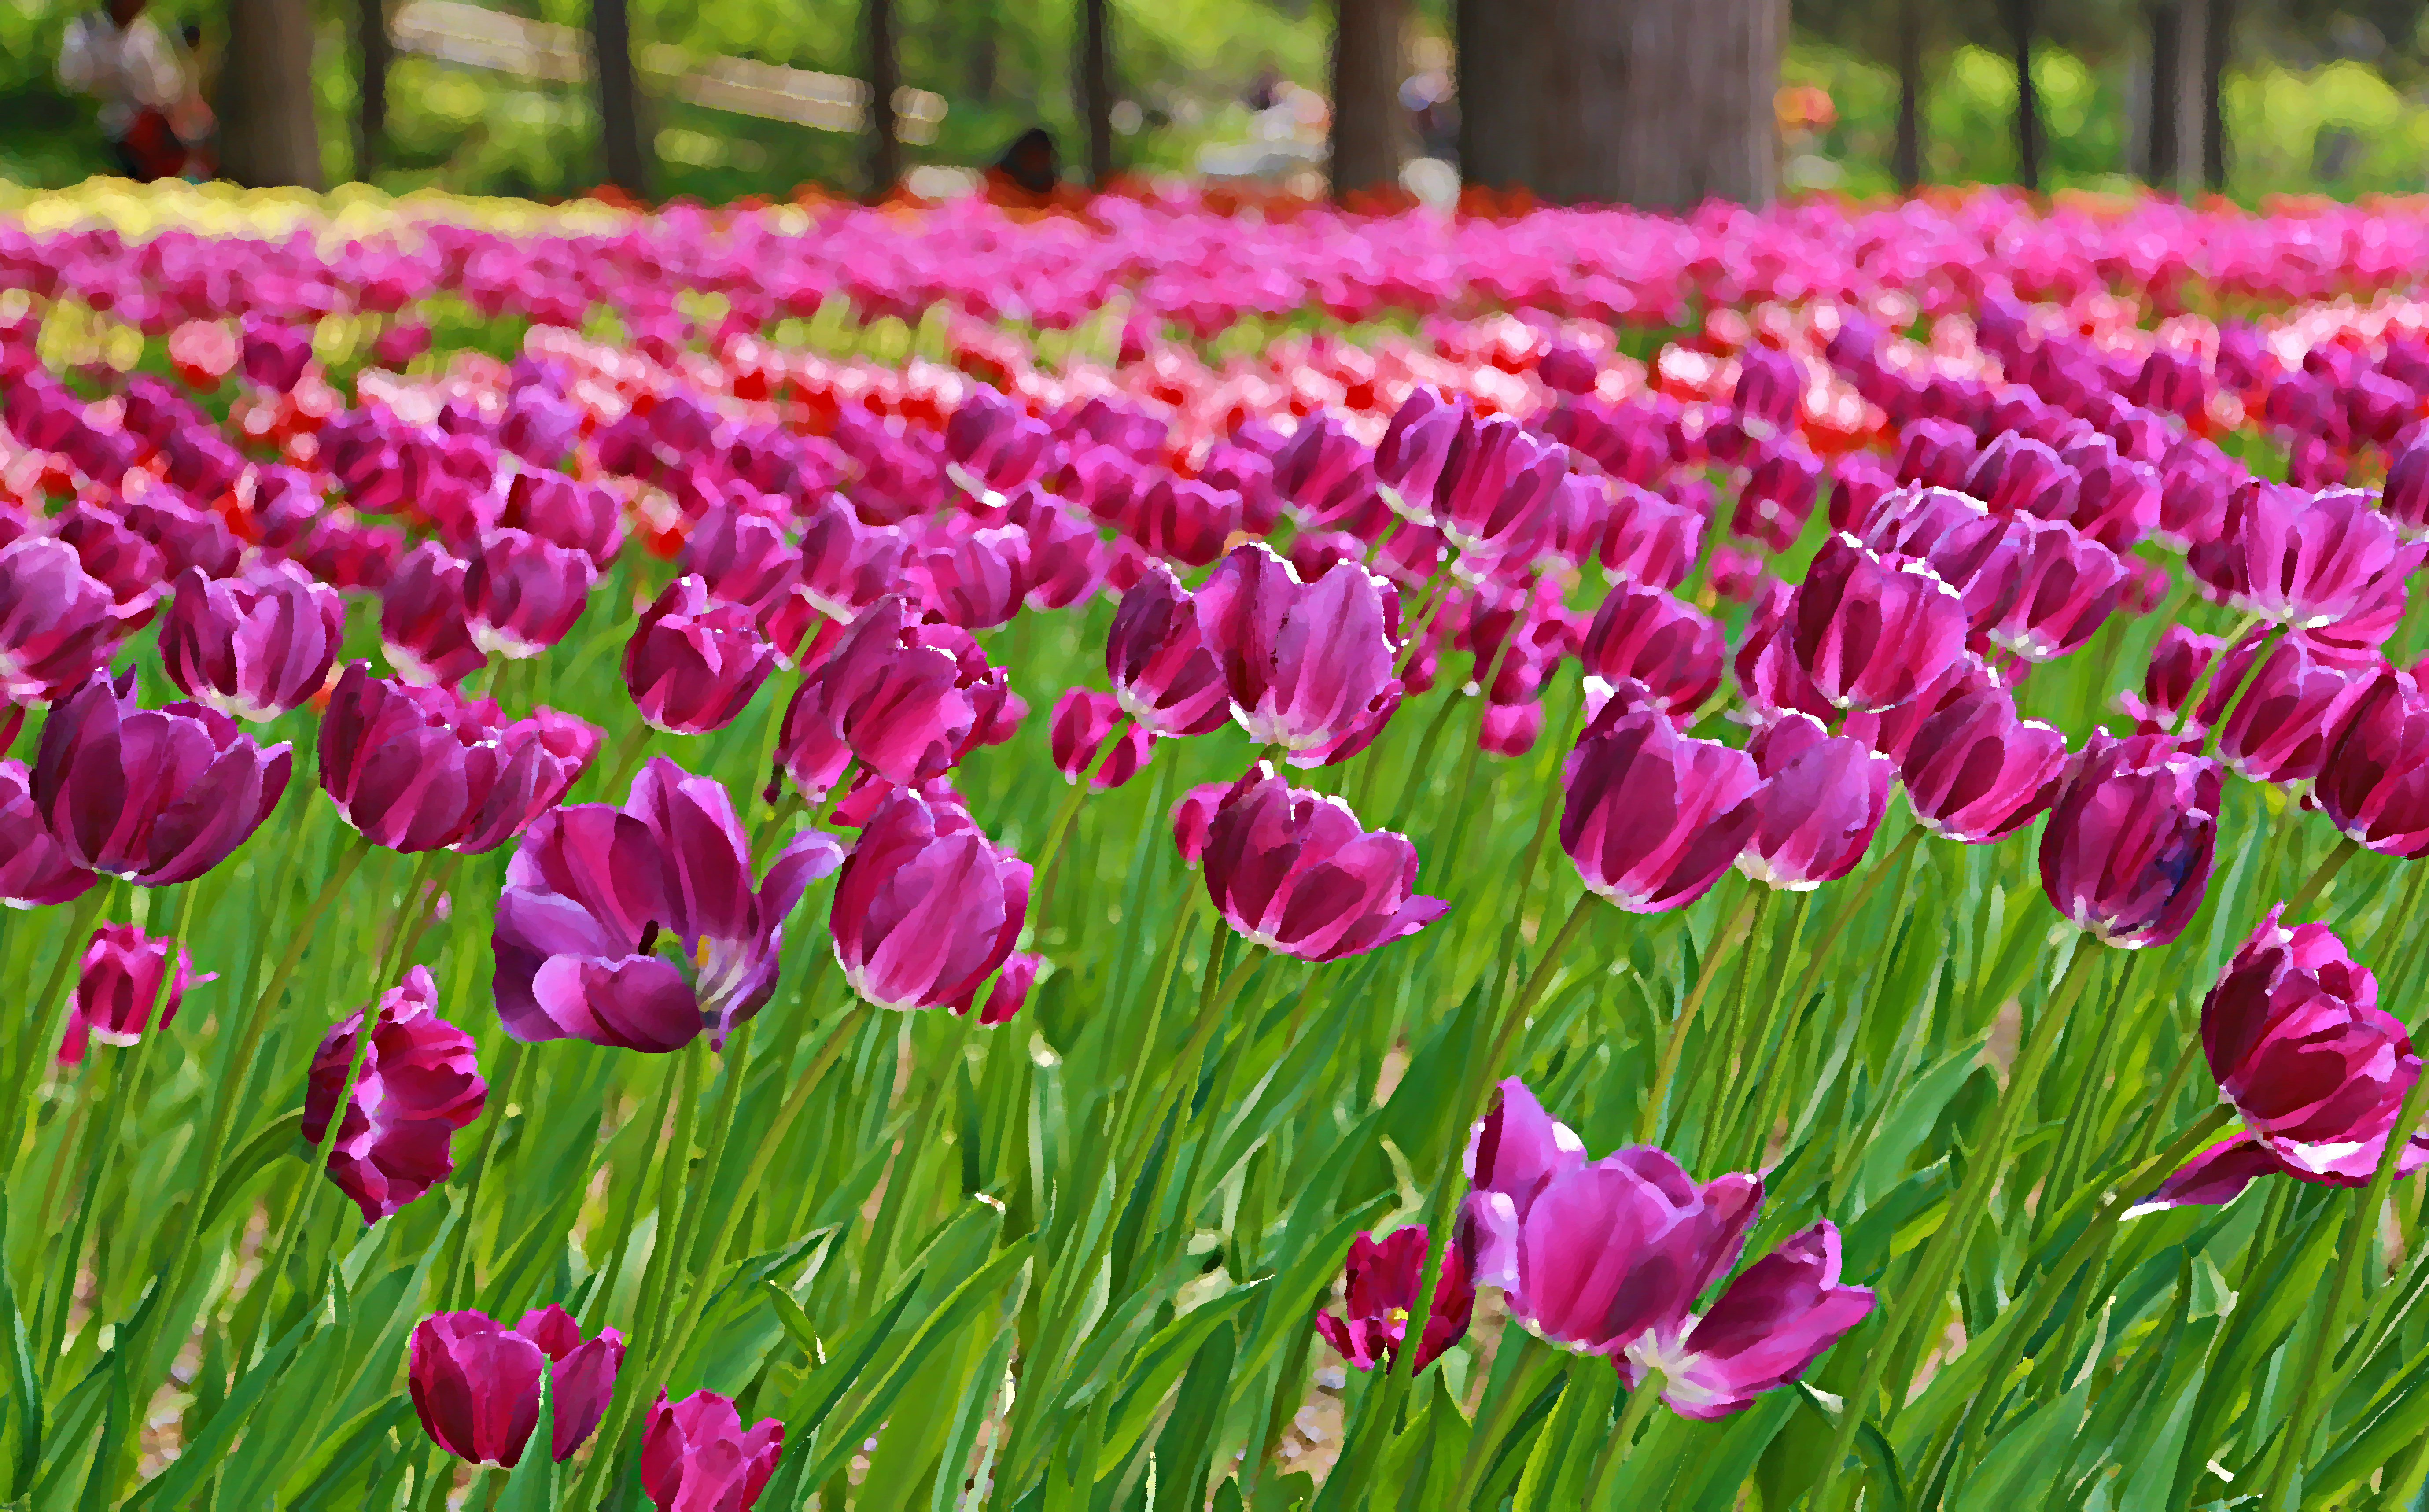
(2127, 850)
(693, 662)
(695, 1456)
(1164, 672)
(641, 926)
(1976, 771)
(476, 1383)
(1652, 818)
(1309, 665)
(416, 769)
(1870, 630)
(58, 625)
(1295, 873)
(1822, 799)
(124, 986)
(2374, 782)
(927, 908)
(904, 694)
(522, 592)
(252, 647)
(34, 871)
(1379, 1289)
(417, 1084)
(1076, 731)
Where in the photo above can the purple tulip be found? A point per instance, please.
(184, 535)
(58, 625)
(976, 578)
(1822, 799)
(1858, 482)
(2118, 503)
(927, 908)
(995, 447)
(1935, 453)
(580, 517)
(1295, 873)
(1185, 520)
(906, 697)
(35, 873)
(1872, 631)
(697, 1457)
(2374, 783)
(416, 769)
(275, 354)
(2176, 664)
(1410, 459)
(1066, 559)
(1648, 540)
(848, 565)
(1778, 495)
(1379, 1287)
(1324, 474)
(1495, 492)
(1163, 673)
(1891, 731)
(1568, 369)
(2315, 1069)
(417, 1084)
(2303, 562)
(2066, 588)
(539, 426)
(2406, 496)
(425, 626)
(522, 593)
(476, 1382)
(124, 977)
(1975, 771)
(1764, 668)
(2290, 713)
(1642, 633)
(1652, 819)
(1082, 721)
(694, 663)
(593, 891)
(1610, 1258)
(2127, 850)
(255, 646)
(2016, 474)
(1308, 664)
(154, 796)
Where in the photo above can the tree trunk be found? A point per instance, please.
(268, 135)
(2215, 37)
(2028, 102)
(370, 101)
(983, 52)
(1663, 103)
(1096, 91)
(1370, 131)
(619, 97)
(884, 77)
(1501, 50)
(1905, 159)
(2163, 160)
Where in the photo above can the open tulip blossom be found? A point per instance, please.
(476, 1383)
(124, 986)
(415, 1084)
(1295, 873)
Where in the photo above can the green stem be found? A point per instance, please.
(42, 1025)
(2307, 1393)
(2326, 873)
(714, 1241)
(459, 1267)
(1602, 1491)
(2226, 711)
(1536, 1365)
(101, 1138)
(1648, 1122)
(2192, 705)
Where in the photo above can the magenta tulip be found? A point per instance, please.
(2374, 783)
(2016, 474)
(1652, 819)
(1765, 1330)
(58, 625)
(522, 593)
(425, 626)
(2303, 562)
(580, 517)
(35, 873)
(693, 663)
(1410, 459)
(993, 447)
(1976, 771)
(2127, 850)
(848, 565)
(416, 1084)
(1165, 673)
(1648, 540)
(255, 646)
(1495, 492)
(1076, 731)
(1379, 1287)
(695, 1456)
(1295, 873)
(124, 978)
(2066, 588)
(1309, 665)
(976, 578)
(1872, 631)
(417, 769)
(1822, 799)
(927, 908)
(476, 1383)
(2290, 712)
(905, 696)
(1645, 634)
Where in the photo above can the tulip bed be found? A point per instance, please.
(982, 857)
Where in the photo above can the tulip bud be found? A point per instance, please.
(1409, 460)
(125, 975)
(2374, 783)
(1309, 665)
(1643, 634)
(926, 907)
(1495, 492)
(252, 647)
(1822, 799)
(695, 1456)
(905, 696)
(976, 579)
(1066, 559)
(415, 769)
(993, 447)
(1185, 520)
(693, 663)
(417, 1085)
(476, 1383)
(1295, 873)
(425, 626)
(522, 594)
(743, 556)
(1165, 673)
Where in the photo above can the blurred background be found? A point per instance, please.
(1662, 102)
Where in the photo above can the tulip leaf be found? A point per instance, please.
(202, 1455)
(2398, 1418)
(275, 1138)
(348, 1451)
(1158, 1367)
(22, 1435)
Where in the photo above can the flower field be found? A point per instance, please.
(1212, 855)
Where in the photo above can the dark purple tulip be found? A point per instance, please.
(184, 535)
(742, 556)
(905, 697)
(1295, 873)
(2291, 711)
(697, 1457)
(1652, 817)
(976, 578)
(1935, 453)
(1916, 521)
(1975, 771)
(255, 646)
(1495, 491)
(2303, 562)
(1891, 731)
(275, 354)
(2315, 1069)
(694, 663)
(2127, 850)
(2066, 586)
(539, 426)
(1066, 559)
(1871, 631)
(1163, 673)
(2118, 502)
(1858, 482)
(582, 516)
(1568, 369)
(1648, 540)
(2176, 663)
(35, 873)
(1379, 1287)
(1185, 520)
(846, 565)
(1822, 799)
(2406, 496)
(476, 1383)
(1779, 496)
(1765, 1329)
(2375, 784)
(415, 769)
(1769, 389)
(927, 908)
(2016, 474)
(594, 891)
(130, 565)
(1323, 472)
(522, 593)
(425, 627)
(1308, 664)
(1078, 729)
(994, 446)
(1409, 460)
(124, 977)
(154, 796)
(1763, 664)
(1642, 633)
(1981, 557)
(417, 1085)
